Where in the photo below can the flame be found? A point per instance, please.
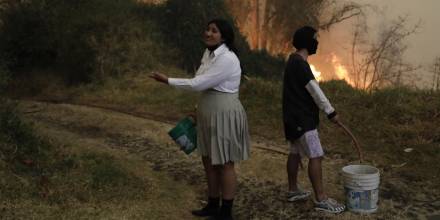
(340, 70)
(316, 73)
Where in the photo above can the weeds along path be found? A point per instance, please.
(262, 181)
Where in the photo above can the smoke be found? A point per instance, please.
(422, 47)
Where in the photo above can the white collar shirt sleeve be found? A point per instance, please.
(219, 70)
(318, 97)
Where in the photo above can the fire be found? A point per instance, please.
(340, 70)
(316, 73)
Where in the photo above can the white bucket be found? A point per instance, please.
(361, 183)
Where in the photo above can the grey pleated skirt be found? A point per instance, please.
(222, 128)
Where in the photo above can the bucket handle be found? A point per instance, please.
(356, 143)
(192, 117)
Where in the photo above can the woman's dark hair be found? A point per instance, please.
(227, 33)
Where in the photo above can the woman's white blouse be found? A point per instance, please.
(219, 70)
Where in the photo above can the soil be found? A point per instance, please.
(262, 180)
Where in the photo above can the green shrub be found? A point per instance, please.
(17, 139)
(89, 40)
(86, 39)
(261, 63)
(24, 34)
(183, 23)
(4, 78)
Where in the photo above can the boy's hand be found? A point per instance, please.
(335, 119)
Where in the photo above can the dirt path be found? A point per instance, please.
(262, 180)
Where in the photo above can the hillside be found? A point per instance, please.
(85, 134)
(91, 141)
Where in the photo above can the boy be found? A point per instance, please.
(302, 100)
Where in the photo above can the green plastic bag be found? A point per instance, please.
(185, 135)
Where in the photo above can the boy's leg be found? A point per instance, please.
(311, 146)
(292, 170)
(323, 203)
(315, 176)
(293, 162)
(313, 149)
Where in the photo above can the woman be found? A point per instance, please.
(222, 128)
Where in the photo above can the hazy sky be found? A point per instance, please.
(423, 46)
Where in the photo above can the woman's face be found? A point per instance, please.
(212, 35)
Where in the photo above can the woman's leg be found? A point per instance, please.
(228, 181)
(213, 178)
(229, 184)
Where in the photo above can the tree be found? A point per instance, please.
(381, 60)
(269, 25)
(435, 69)
(337, 12)
(183, 23)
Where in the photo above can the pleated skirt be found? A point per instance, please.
(222, 128)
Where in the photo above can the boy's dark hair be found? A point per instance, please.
(303, 37)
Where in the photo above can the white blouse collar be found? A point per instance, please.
(221, 49)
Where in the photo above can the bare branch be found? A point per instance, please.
(435, 69)
(347, 11)
(382, 62)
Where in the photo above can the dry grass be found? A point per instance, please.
(386, 122)
(90, 180)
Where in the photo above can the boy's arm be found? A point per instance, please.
(320, 99)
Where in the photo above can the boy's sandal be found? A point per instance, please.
(299, 194)
(329, 205)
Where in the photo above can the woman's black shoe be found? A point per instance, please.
(225, 212)
(206, 211)
(222, 217)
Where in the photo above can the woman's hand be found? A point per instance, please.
(159, 77)
(193, 114)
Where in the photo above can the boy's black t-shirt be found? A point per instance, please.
(300, 113)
